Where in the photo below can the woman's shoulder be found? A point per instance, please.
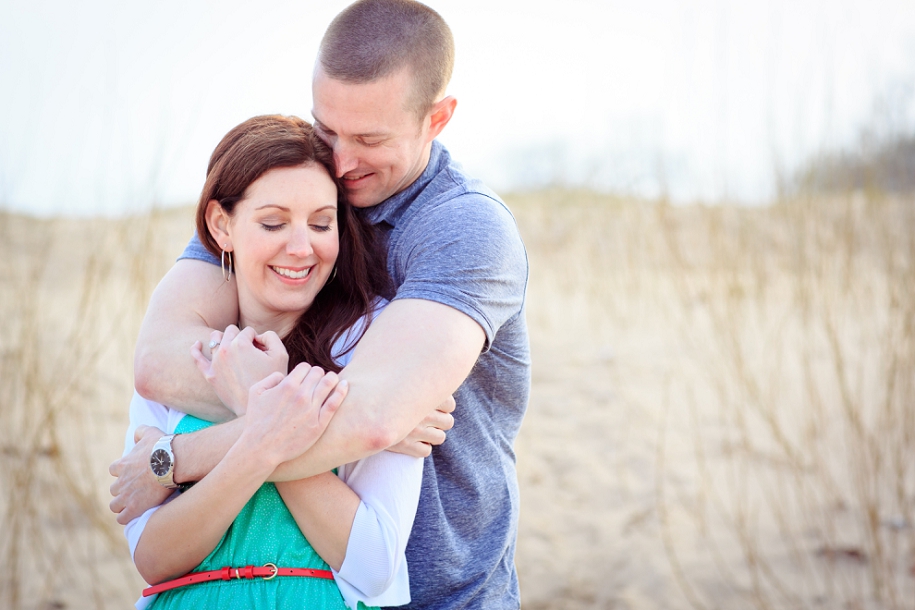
(342, 350)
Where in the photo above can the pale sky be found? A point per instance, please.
(111, 107)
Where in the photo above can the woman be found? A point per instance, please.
(308, 271)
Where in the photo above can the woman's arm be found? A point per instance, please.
(323, 506)
(180, 534)
(360, 522)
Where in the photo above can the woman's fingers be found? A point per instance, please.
(318, 385)
(270, 342)
(297, 375)
(332, 402)
(243, 338)
(287, 415)
(226, 338)
(303, 394)
(267, 383)
(216, 338)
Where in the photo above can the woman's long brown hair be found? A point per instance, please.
(268, 142)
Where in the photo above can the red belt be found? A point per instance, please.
(267, 571)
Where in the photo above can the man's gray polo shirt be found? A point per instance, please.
(453, 241)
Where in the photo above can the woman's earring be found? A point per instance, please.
(333, 274)
(226, 272)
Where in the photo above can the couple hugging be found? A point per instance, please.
(301, 462)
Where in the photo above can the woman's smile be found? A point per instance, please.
(292, 273)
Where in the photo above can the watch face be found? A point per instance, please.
(160, 462)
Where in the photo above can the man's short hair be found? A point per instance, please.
(372, 39)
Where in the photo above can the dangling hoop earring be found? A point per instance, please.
(333, 275)
(226, 272)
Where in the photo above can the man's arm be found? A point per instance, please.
(414, 355)
(190, 301)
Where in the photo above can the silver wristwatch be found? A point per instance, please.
(162, 462)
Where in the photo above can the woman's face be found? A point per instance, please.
(284, 240)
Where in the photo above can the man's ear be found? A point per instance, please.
(441, 113)
(218, 224)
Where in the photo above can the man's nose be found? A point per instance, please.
(344, 158)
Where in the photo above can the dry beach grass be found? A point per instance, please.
(722, 415)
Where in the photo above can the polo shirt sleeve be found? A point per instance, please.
(467, 253)
(195, 251)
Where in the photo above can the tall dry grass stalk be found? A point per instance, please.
(803, 321)
(773, 352)
(72, 296)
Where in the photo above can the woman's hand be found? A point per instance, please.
(430, 432)
(287, 415)
(239, 360)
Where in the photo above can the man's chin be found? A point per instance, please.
(361, 199)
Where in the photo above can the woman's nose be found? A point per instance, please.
(299, 244)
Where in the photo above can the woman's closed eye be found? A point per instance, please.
(273, 227)
(321, 228)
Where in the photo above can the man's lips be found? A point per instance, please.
(353, 178)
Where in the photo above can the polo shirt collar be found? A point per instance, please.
(392, 209)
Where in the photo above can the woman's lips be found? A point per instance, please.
(291, 273)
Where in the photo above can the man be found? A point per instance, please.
(456, 325)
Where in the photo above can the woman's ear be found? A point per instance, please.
(218, 224)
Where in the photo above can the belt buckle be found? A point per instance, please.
(275, 570)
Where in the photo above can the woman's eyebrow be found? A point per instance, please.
(285, 209)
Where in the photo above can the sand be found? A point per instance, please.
(721, 414)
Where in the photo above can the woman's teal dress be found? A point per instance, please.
(264, 532)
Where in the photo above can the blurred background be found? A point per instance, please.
(711, 100)
(718, 201)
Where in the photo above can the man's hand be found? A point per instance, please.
(429, 432)
(136, 490)
(240, 360)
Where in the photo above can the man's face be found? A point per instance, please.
(380, 146)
